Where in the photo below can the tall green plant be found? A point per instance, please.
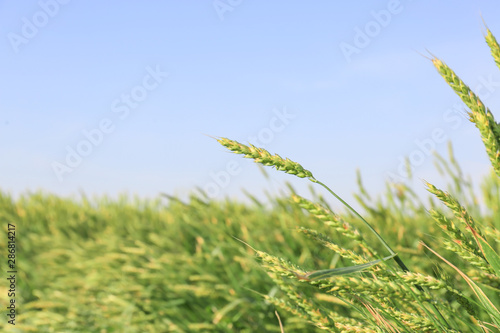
(378, 296)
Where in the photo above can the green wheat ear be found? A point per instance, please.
(494, 47)
(262, 156)
(480, 115)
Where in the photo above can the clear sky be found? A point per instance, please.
(110, 97)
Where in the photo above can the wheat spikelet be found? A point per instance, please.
(490, 280)
(469, 256)
(326, 242)
(333, 220)
(413, 321)
(423, 280)
(344, 328)
(293, 309)
(279, 265)
(494, 47)
(493, 233)
(467, 243)
(307, 308)
(262, 156)
(459, 211)
(463, 91)
(480, 115)
(369, 287)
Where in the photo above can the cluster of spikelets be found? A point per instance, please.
(382, 297)
(262, 156)
(480, 115)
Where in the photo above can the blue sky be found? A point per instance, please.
(134, 88)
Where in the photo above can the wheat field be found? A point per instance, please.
(401, 263)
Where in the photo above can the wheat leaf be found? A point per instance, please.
(490, 255)
(328, 273)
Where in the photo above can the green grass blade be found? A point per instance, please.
(490, 255)
(328, 273)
